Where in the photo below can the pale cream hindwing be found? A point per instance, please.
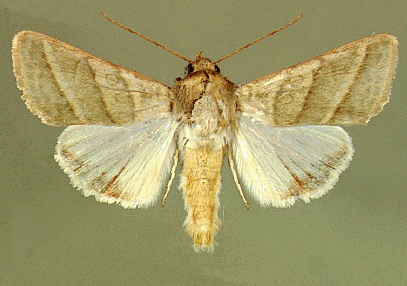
(279, 165)
(64, 85)
(126, 165)
(347, 85)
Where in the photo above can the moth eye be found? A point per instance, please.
(217, 68)
(190, 68)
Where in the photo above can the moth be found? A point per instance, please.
(127, 132)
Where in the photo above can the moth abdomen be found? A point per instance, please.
(200, 181)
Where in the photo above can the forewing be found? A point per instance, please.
(126, 165)
(347, 85)
(64, 85)
(279, 165)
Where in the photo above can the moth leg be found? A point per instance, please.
(172, 176)
(239, 187)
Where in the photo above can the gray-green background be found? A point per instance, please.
(52, 235)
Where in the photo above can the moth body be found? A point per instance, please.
(205, 104)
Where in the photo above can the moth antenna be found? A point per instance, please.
(145, 38)
(258, 40)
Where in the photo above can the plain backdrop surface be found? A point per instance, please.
(51, 235)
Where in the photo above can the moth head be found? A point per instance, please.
(200, 64)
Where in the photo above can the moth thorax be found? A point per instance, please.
(205, 117)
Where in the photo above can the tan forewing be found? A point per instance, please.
(64, 85)
(347, 85)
